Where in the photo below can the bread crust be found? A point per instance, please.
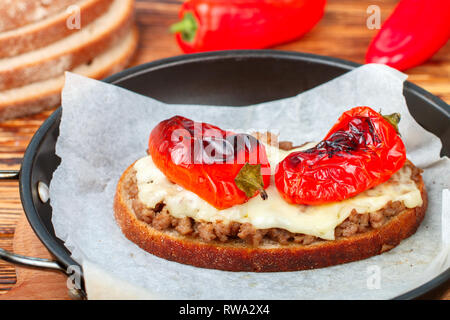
(241, 257)
(52, 29)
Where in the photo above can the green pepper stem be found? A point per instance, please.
(393, 119)
(250, 180)
(187, 27)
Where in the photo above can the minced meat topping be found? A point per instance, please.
(161, 219)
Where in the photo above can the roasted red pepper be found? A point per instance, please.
(412, 34)
(208, 25)
(361, 151)
(221, 167)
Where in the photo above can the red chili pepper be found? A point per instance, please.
(208, 25)
(221, 167)
(412, 34)
(361, 151)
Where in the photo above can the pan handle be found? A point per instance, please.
(32, 262)
(17, 258)
(9, 174)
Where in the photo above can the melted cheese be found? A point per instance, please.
(319, 221)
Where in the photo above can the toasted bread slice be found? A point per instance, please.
(46, 94)
(51, 29)
(240, 256)
(76, 49)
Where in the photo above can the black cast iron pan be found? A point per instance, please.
(233, 78)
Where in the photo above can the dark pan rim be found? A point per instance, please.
(29, 157)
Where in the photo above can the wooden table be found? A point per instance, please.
(341, 33)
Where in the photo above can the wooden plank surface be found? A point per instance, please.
(31, 283)
(341, 33)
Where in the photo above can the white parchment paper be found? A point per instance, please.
(105, 128)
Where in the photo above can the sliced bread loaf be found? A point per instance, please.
(76, 49)
(43, 32)
(44, 95)
(16, 13)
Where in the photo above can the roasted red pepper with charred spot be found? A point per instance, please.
(362, 150)
(221, 167)
(208, 25)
